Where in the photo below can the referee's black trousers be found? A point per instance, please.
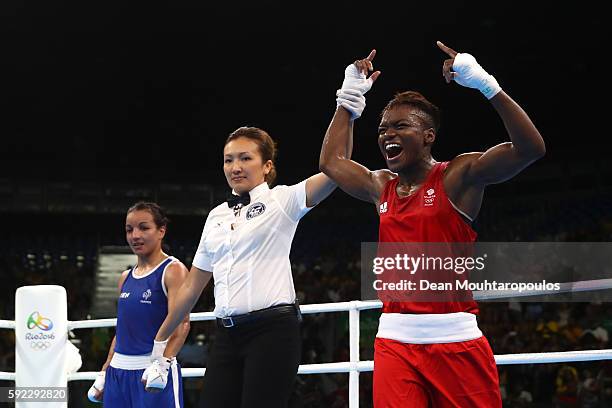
(253, 365)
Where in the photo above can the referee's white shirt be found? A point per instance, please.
(248, 252)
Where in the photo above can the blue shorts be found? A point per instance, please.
(123, 389)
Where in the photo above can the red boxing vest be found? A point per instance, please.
(425, 216)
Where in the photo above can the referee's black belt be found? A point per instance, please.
(270, 312)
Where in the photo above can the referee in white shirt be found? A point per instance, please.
(245, 246)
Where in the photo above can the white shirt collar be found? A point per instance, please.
(257, 191)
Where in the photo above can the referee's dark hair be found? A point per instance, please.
(266, 145)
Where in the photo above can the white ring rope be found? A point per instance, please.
(356, 366)
(364, 366)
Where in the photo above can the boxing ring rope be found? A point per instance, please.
(355, 365)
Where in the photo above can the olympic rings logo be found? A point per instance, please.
(40, 345)
(37, 320)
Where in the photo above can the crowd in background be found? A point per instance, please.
(326, 266)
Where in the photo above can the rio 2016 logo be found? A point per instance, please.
(36, 320)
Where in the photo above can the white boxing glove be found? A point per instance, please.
(155, 377)
(351, 95)
(470, 74)
(98, 386)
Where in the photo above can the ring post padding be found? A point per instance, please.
(41, 330)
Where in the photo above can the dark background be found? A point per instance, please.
(102, 91)
(106, 103)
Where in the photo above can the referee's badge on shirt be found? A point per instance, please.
(254, 210)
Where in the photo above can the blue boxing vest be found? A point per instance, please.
(141, 309)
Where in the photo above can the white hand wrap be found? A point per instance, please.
(351, 95)
(470, 74)
(98, 385)
(155, 377)
(351, 100)
(354, 79)
(158, 349)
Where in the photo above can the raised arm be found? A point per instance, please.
(504, 161)
(334, 160)
(318, 188)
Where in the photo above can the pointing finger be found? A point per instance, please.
(449, 51)
(371, 56)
